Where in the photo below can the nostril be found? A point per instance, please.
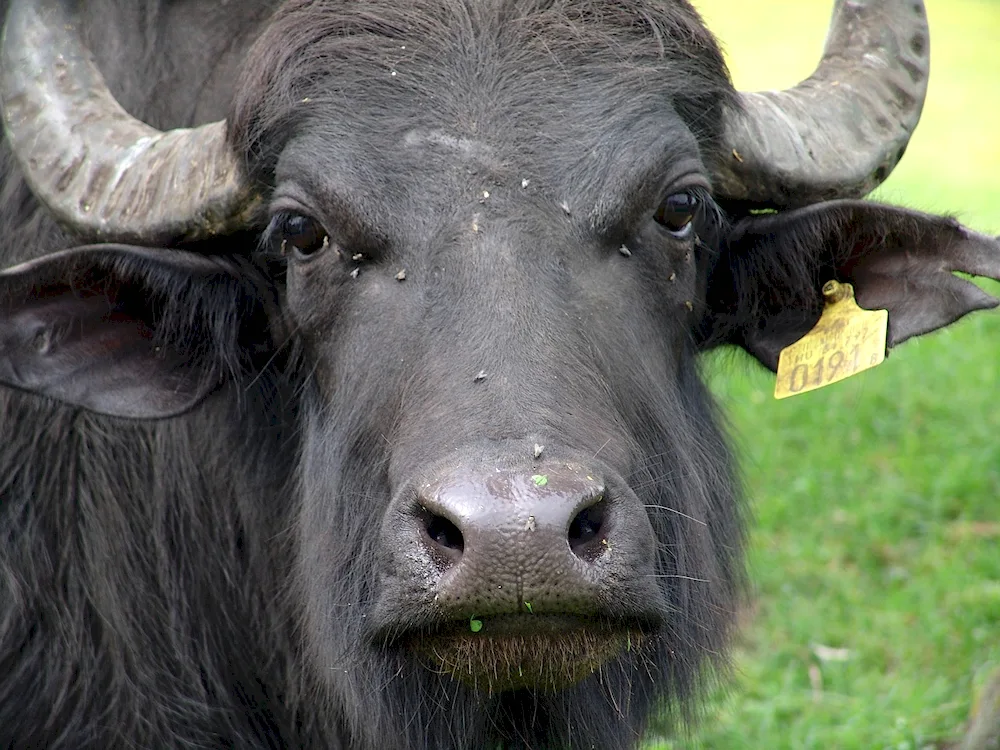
(443, 532)
(587, 531)
(585, 526)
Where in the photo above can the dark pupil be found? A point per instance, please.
(677, 211)
(304, 233)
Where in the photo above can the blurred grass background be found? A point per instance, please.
(877, 500)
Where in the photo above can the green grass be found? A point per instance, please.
(877, 499)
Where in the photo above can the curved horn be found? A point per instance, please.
(839, 133)
(103, 174)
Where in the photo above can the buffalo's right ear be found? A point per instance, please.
(131, 331)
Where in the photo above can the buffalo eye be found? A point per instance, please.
(304, 234)
(676, 213)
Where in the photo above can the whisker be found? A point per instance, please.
(602, 447)
(678, 512)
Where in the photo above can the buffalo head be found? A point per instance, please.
(493, 239)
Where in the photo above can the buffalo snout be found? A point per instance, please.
(528, 576)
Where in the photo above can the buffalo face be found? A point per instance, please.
(494, 263)
(496, 238)
(490, 301)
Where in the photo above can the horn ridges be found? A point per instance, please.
(103, 174)
(839, 133)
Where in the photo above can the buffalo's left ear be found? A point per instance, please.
(764, 289)
(132, 331)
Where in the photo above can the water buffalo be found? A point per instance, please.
(366, 413)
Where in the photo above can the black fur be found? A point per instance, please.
(216, 579)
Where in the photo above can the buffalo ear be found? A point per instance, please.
(764, 291)
(128, 331)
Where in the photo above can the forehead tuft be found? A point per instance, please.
(481, 62)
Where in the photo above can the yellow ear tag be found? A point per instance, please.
(845, 340)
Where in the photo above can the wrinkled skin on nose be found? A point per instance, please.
(519, 577)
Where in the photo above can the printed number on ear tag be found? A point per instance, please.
(845, 341)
